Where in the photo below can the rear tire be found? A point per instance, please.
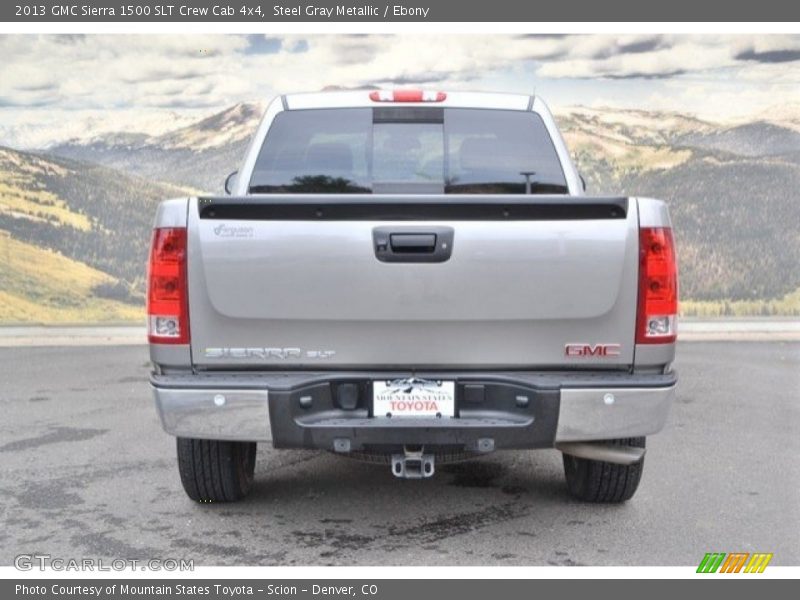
(216, 471)
(604, 482)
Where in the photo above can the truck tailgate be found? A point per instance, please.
(295, 281)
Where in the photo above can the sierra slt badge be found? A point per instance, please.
(598, 350)
(267, 353)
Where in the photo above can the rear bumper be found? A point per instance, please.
(494, 409)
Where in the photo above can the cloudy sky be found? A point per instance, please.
(51, 83)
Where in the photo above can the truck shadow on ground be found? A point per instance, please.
(355, 510)
(311, 472)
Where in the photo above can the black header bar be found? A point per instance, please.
(367, 207)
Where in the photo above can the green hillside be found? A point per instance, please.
(41, 286)
(75, 239)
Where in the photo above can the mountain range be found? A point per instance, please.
(198, 156)
(732, 191)
(83, 206)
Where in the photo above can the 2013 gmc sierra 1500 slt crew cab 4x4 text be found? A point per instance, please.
(411, 277)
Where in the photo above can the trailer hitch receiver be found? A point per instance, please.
(413, 464)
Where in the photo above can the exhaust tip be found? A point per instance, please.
(620, 455)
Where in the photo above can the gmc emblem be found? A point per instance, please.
(600, 350)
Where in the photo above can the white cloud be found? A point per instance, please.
(183, 72)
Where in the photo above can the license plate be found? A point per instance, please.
(413, 397)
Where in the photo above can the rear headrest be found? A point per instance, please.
(328, 157)
(489, 153)
(477, 153)
(401, 144)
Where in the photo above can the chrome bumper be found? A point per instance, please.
(608, 413)
(222, 414)
(237, 408)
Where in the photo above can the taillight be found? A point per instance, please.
(167, 297)
(656, 321)
(407, 96)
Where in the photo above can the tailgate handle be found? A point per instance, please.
(412, 244)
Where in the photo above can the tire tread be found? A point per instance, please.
(215, 470)
(604, 482)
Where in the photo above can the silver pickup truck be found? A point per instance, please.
(411, 278)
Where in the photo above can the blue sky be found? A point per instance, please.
(55, 80)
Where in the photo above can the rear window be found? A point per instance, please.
(408, 150)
